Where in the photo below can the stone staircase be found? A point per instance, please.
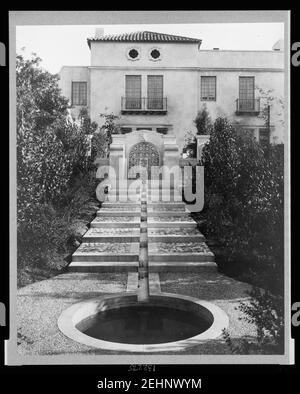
(112, 242)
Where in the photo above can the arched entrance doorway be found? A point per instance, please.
(143, 154)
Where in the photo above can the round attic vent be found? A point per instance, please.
(154, 54)
(133, 54)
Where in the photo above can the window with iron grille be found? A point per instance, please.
(155, 92)
(208, 88)
(246, 93)
(79, 93)
(133, 91)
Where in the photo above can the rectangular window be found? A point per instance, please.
(133, 91)
(144, 128)
(125, 130)
(162, 130)
(264, 137)
(246, 94)
(155, 92)
(79, 93)
(208, 88)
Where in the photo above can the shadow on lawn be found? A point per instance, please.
(67, 295)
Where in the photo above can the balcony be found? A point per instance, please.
(247, 107)
(144, 105)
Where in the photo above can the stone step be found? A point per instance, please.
(181, 257)
(154, 266)
(180, 251)
(165, 192)
(163, 199)
(112, 235)
(167, 205)
(123, 197)
(167, 213)
(109, 252)
(115, 222)
(176, 234)
(175, 238)
(135, 237)
(136, 187)
(117, 205)
(125, 192)
(117, 213)
(170, 222)
(187, 266)
(152, 211)
(132, 282)
(103, 266)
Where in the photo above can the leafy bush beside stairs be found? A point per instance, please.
(244, 196)
(56, 180)
(266, 312)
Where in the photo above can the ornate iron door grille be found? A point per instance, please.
(143, 154)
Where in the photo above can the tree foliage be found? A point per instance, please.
(203, 122)
(39, 100)
(190, 145)
(204, 126)
(53, 165)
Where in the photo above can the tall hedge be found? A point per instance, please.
(244, 189)
(54, 180)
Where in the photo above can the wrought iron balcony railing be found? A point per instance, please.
(248, 106)
(144, 104)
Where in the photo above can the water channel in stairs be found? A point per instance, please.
(143, 322)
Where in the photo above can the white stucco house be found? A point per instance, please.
(158, 82)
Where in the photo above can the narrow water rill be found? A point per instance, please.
(143, 269)
(144, 320)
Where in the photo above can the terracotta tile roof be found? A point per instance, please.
(145, 36)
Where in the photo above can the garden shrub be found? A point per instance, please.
(204, 126)
(190, 145)
(244, 199)
(203, 122)
(100, 145)
(266, 312)
(43, 171)
(56, 180)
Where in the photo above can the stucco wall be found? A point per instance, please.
(241, 59)
(76, 74)
(179, 88)
(114, 54)
(228, 92)
(182, 66)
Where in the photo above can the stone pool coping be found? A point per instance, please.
(70, 317)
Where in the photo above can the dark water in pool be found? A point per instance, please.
(143, 325)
